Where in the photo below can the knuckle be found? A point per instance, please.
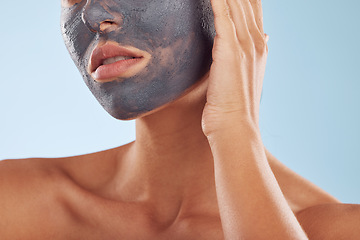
(245, 53)
(260, 46)
(250, 50)
(241, 55)
(224, 12)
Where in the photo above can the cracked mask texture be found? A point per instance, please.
(178, 34)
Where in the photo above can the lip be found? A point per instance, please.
(120, 69)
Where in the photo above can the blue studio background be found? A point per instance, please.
(309, 111)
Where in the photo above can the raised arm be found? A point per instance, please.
(251, 203)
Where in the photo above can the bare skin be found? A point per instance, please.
(184, 177)
(168, 192)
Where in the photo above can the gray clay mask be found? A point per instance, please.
(177, 34)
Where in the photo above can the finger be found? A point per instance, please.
(224, 26)
(266, 37)
(258, 12)
(243, 10)
(239, 19)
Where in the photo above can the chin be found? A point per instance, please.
(132, 115)
(193, 96)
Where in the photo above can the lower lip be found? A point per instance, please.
(117, 69)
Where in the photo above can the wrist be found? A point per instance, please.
(228, 124)
(234, 131)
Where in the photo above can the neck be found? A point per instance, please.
(171, 160)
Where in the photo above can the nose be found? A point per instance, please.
(98, 17)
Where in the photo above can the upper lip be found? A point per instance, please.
(110, 50)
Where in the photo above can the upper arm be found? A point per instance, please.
(331, 221)
(299, 192)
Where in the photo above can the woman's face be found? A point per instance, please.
(173, 37)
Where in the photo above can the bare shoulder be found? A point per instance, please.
(23, 177)
(93, 171)
(35, 193)
(331, 221)
(16, 175)
(27, 192)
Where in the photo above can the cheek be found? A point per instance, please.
(76, 35)
(207, 18)
(174, 32)
(69, 3)
(167, 20)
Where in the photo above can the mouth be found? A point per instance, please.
(111, 61)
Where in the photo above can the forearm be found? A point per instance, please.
(250, 200)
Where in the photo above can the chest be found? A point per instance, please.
(194, 228)
(130, 230)
(127, 221)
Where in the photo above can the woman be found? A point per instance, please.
(198, 168)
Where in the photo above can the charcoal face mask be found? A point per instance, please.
(178, 34)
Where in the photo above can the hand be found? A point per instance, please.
(238, 68)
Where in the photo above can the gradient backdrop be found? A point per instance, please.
(309, 113)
